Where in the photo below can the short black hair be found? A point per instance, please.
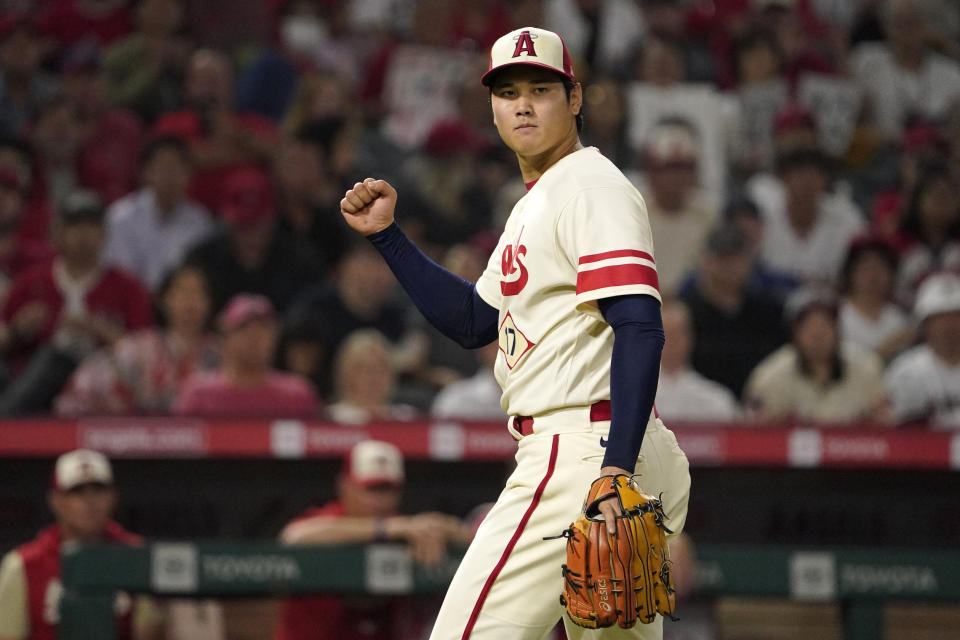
(160, 143)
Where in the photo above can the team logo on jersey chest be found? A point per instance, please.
(512, 268)
(513, 343)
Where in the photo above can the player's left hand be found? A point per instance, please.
(611, 508)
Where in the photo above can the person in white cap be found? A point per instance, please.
(82, 498)
(367, 509)
(571, 295)
(924, 382)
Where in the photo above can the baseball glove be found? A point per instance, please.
(623, 577)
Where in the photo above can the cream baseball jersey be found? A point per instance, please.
(580, 234)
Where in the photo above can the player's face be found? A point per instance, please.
(532, 112)
(369, 501)
(84, 511)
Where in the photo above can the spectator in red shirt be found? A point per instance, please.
(246, 384)
(220, 138)
(82, 498)
(57, 313)
(366, 510)
(67, 22)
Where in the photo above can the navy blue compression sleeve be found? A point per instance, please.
(448, 302)
(634, 372)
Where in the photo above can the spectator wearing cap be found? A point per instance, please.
(144, 70)
(682, 393)
(366, 510)
(734, 326)
(246, 385)
(681, 214)
(250, 254)
(150, 230)
(816, 378)
(869, 318)
(924, 382)
(57, 313)
(142, 373)
(903, 76)
(220, 139)
(365, 381)
(929, 233)
(24, 86)
(806, 229)
(82, 498)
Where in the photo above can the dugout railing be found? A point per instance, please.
(862, 580)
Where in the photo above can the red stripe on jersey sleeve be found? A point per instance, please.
(619, 253)
(616, 276)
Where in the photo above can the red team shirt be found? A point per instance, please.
(329, 617)
(41, 566)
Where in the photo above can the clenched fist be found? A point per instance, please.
(369, 206)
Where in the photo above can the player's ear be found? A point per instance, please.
(576, 98)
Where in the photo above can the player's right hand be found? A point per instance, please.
(368, 207)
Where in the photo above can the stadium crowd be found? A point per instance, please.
(170, 173)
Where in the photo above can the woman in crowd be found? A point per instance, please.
(143, 370)
(816, 378)
(869, 319)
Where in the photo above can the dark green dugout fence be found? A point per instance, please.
(861, 579)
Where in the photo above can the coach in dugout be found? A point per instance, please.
(366, 510)
(82, 498)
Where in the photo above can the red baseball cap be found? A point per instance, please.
(247, 197)
(530, 46)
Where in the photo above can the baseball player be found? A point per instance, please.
(570, 294)
(82, 498)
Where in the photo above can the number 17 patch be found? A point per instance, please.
(513, 343)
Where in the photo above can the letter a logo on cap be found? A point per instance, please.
(524, 45)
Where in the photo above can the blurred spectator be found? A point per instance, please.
(903, 77)
(250, 254)
(929, 234)
(359, 296)
(670, 19)
(246, 385)
(16, 155)
(145, 70)
(475, 398)
(924, 382)
(303, 350)
(414, 83)
(683, 394)
(308, 198)
(111, 137)
(807, 232)
(57, 138)
(24, 87)
(742, 213)
(143, 371)
(150, 230)
(101, 22)
(82, 497)
(681, 213)
(868, 317)
(661, 91)
(601, 33)
(321, 96)
(605, 123)
(794, 129)
(816, 378)
(366, 510)
(220, 138)
(760, 94)
(734, 327)
(58, 313)
(16, 254)
(364, 381)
